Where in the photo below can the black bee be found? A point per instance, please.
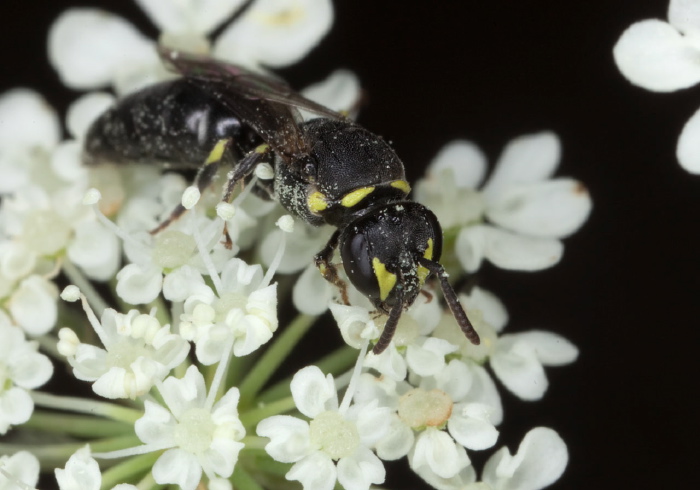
(327, 170)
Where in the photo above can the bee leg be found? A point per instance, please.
(204, 177)
(329, 270)
(243, 169)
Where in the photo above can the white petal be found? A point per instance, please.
(467, 161)
(95, 249)
(33, 305)
(136, 285)
(66, 161)
(437, 450)
(197, 16)
(688, 149)
(185, 393)
(289, 437)
(315, 472)
(24, 466)
(178, 466)
(31, 369)
(427, 358)
(525, 159)
(470, 426)
(85, 110)
(157, 426)
(516, 252)
(312, 293)
(89, 47)
(81, 472)
(492, 309)
(182, 283)
(313, 392)
(340, 91)
(275, 33)
(359, 471)
(655, 56)
(16, 407)
(470, 247)
(551, 349)
(516, 364)
(684, 15)
(397, 442)
(27, 120)
(483, 390)
(539, 462)
(554, 208)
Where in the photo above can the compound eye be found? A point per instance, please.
(357, 262)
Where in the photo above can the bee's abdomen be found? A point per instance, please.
(174, 123)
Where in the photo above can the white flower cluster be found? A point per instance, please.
(664, 57)
(428, 397)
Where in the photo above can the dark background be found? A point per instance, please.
(626, 290)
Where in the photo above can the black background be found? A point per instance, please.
(626, 290)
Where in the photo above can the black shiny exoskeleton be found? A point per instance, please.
(327, 170)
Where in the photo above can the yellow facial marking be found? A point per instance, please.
(352, 198)
(401, 185)
(217, 152)
(316, 202)
(386, 279)
(262, 148)
(422, 271)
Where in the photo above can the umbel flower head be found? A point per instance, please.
(184, 331)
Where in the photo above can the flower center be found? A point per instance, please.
(195, 430)
(45, 232)
(336, 436)
(229, 301)
(419, 408)
(173, 248)
(122, 354)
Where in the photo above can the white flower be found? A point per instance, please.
(199, 437)
(92, 48)
(519, 216)
(541, 459)
(664, 57)
(517, 359)
(22, 368)
(346, 438)
(539, 462)
(244, 310)
(138, 352)
(22, 467)
(83, 473)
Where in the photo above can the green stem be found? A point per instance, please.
(77, 425)
(334, 363)
(251, 418)
(85, 405)
(129, 470)
(273, 357)
(55, 455)
(242, 479)
(76, 276)
(254, 443)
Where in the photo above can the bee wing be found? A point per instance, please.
(267, 104)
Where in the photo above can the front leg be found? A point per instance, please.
(204, 177)
(329, 270)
